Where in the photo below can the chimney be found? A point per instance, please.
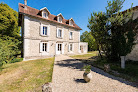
(25, 4)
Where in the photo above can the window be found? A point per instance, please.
(71, 22)
(70, 47)
(60, 19)
(44, 30)
(44, 48)
(59, 47)
(59, 33)
(71, 37)
(45, 15)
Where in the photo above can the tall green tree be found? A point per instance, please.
(111, 30)
(87, 37)
(97, 25)
(9, 21)
(10, 43)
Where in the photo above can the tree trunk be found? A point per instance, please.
(99, 51)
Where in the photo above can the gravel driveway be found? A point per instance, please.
(67, 77)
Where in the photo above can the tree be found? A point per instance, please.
(87, 37)
(8, 49)
(111, 31)
(9, 21)
(9, 34)
(97, 25)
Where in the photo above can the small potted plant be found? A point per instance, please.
(87, 73)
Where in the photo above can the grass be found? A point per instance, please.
(26, 75)
(86, 56)
(130, 72)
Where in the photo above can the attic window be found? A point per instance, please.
(71, 22)
(45, 14)
(60, 19)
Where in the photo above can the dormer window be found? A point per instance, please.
(60, 18)
(71, 21)
(45, 15)
(44, 12)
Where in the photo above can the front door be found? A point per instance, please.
(59, 48)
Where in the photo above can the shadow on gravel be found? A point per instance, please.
(76, 64)
(79, 80)
(71, 63)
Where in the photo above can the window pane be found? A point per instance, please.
(43, 46)
(59, 33)
(70, 35)
(44, 15)
(44, 30)
(70, 47)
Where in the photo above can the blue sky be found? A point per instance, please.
(79, 10)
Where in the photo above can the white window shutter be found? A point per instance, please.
(62, 48)
(69, 48)
(57, 32)
(48, 30)
(41, 29)
(72, 47)
(62, 33)
(48, 46)
(56, 48)
(41, 46)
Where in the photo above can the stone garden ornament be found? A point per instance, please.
(87, 73)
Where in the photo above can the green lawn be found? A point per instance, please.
(129, 73)
(86, 56)
(26, 76)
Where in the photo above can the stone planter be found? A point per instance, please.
(87, 76)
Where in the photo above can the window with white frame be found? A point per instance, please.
(59, 33)
(44, 47)
(44, 30)
(60, 19)
(71, 35)
(45, 15)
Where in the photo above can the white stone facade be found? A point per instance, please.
(32, 39)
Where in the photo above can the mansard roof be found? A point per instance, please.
(37, 13)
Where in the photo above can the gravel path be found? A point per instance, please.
(67, 77)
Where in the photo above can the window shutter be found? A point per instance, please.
(41, 46)
(62, 48)
(69, 48)
(48, 30)
(41, 29)
(62, 33)
(57, 32)
(56, 48)
(48, 46)
(72, 47)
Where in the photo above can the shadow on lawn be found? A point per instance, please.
(75, 64)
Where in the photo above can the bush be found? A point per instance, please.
(16, 60)
(8, 49)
